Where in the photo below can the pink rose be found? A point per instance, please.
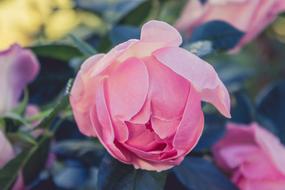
(143, 98)
(18, 67)
(6, 155)
(249, 16)
(253, 157)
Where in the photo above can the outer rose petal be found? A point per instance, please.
(192, 120)
(102, 124)
(18, 67)
(201, 75)
(80, 97)
(158, 31)
(154, 35)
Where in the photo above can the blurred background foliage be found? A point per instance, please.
(56, 31)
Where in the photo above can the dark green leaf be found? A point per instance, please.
(213, 130)
(61, 105)
(111, 10)
(138, 15)
(221, 34)
(37, 161)
(201, 174)
(115, 175)
(60, 52)
(121, 34)
(87, 151)
(9, 173)
(271, 105)
(243, 110)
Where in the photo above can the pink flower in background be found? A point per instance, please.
(143, 98)
(253, 157)
(249, 16)
(6, 155)
(18, 67)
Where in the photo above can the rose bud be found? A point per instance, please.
(143, 98)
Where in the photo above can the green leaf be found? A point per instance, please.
(222, 35)
(61, 105)
(271, 106)
(60, 52)
(115, 175)
(111, 10)
(85, 48)
(201, 174)
(18, 119)
(9, 173)
(36, 162)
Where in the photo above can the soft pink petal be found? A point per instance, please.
(143, 116)
(111, 56)
(201, 75)
(82, 97)
(158, 31)
(163, 127)
(102, 124)
(191, 126)
(168, 91)
(127, 89)
(154, 35)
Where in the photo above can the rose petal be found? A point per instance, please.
(158, 31)
(168, 91)
(127, 89)
(154, 35)
(111, 56)
(191, 126)
(102, 124)
(201, 75)
(81, 99)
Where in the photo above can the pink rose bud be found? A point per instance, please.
(143, 98)
(6, 155)
(253, 157)
(249, 16)
(18, 67)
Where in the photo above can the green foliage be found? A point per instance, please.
(115, 175)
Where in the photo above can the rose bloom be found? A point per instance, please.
(18, 67)
(6, 155)
(143, 98)
(252, 156)
(249, 16)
